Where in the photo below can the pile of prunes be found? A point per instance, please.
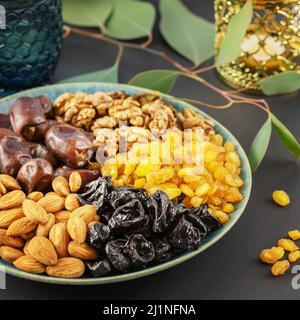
(137, 230)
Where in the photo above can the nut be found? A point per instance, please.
(77, 229)
(62, 216)
(35, 212)
(35, 196)
(15, 242)
(72, 202)
(52, 203)
(29, 264)
(2, 188)
(9, 182)
(7, 217)
(67, 268)
(42, 250)
(21, 226)
(13, 199)
(61, 186)
(9, 254)
(25, 249)
(75, 181)
(59, 236)
(44, 229)
(87, 213)
(82, 251)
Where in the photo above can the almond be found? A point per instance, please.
(72, 202)
(35, 196)
(52, 203)
(82, 251)
(44, 229)
(87, 213)
(9, 254)
(42, 250)
(75, 181)
(77, 229)
(62, 216)
(59, 236)
(67, 268)
(35, 212)
(13, 199)
(25, 249)
(7, 217)
(15, 242)
(61, 186)
(29, 235)
(21, 226)
(9, 182)
(29, 264)
(2, 188)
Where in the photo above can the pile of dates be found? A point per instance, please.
(137, 230)
(34, 148)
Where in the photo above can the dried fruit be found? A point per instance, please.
(294, 235)
(99, 268)
(59, 236)
(82, 251)
(75, 181)
(67, 268)
(13, 199)
(77, 229)
(72, 202)
(61, 186)
(287, 245)
(7, 217)
(270, 256)
(87, 213)
(294, 256)
(21, 226)
(29, 264)
(9, 182)
(15, 242)
(44, 229)
(42, 250)
(280, 267)
(9, 254)
(52, 203)
(281, 197)
(35, 212)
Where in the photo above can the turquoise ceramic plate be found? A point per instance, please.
(53, 92)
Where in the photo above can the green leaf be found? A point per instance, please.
(87, 13)
(188, 34)
(260, 145)
(286, 137)
(105, 75)
(281, 83)
(231, 46)
(160, 80)
(130, 19)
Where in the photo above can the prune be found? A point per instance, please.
(38, 150)
(98, 268)
(7, 132)
(123, 195)
(70, 145)
(28, 119)
(139, 250)
(47, 106)
(129, 216)
(201, 214)
(163, 250)
(36, 174)
(116, 255)
(98, 234)
(184, 235)
(13, 154)
(87, 175)
(5, 122)
(97, 193)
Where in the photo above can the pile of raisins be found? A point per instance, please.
(137, 230)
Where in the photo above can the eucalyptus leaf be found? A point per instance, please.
(160, 80)
(87, 13)
(286, 137)
(130, 19)
(188, 34)
(231, 45)
(281, 83)
(260, 145)
(105, 75)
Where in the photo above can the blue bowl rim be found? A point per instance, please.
(216, 236)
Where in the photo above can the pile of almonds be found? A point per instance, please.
(45, 233)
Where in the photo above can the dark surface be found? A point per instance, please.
(230, 269)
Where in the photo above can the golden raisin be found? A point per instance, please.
(270, 256)
(294, 234)
(280, 267)
(281, 197)
(287, 245)
(294, 256)
(187, 190)
(228, 208)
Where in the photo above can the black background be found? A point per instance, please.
(230, 269)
